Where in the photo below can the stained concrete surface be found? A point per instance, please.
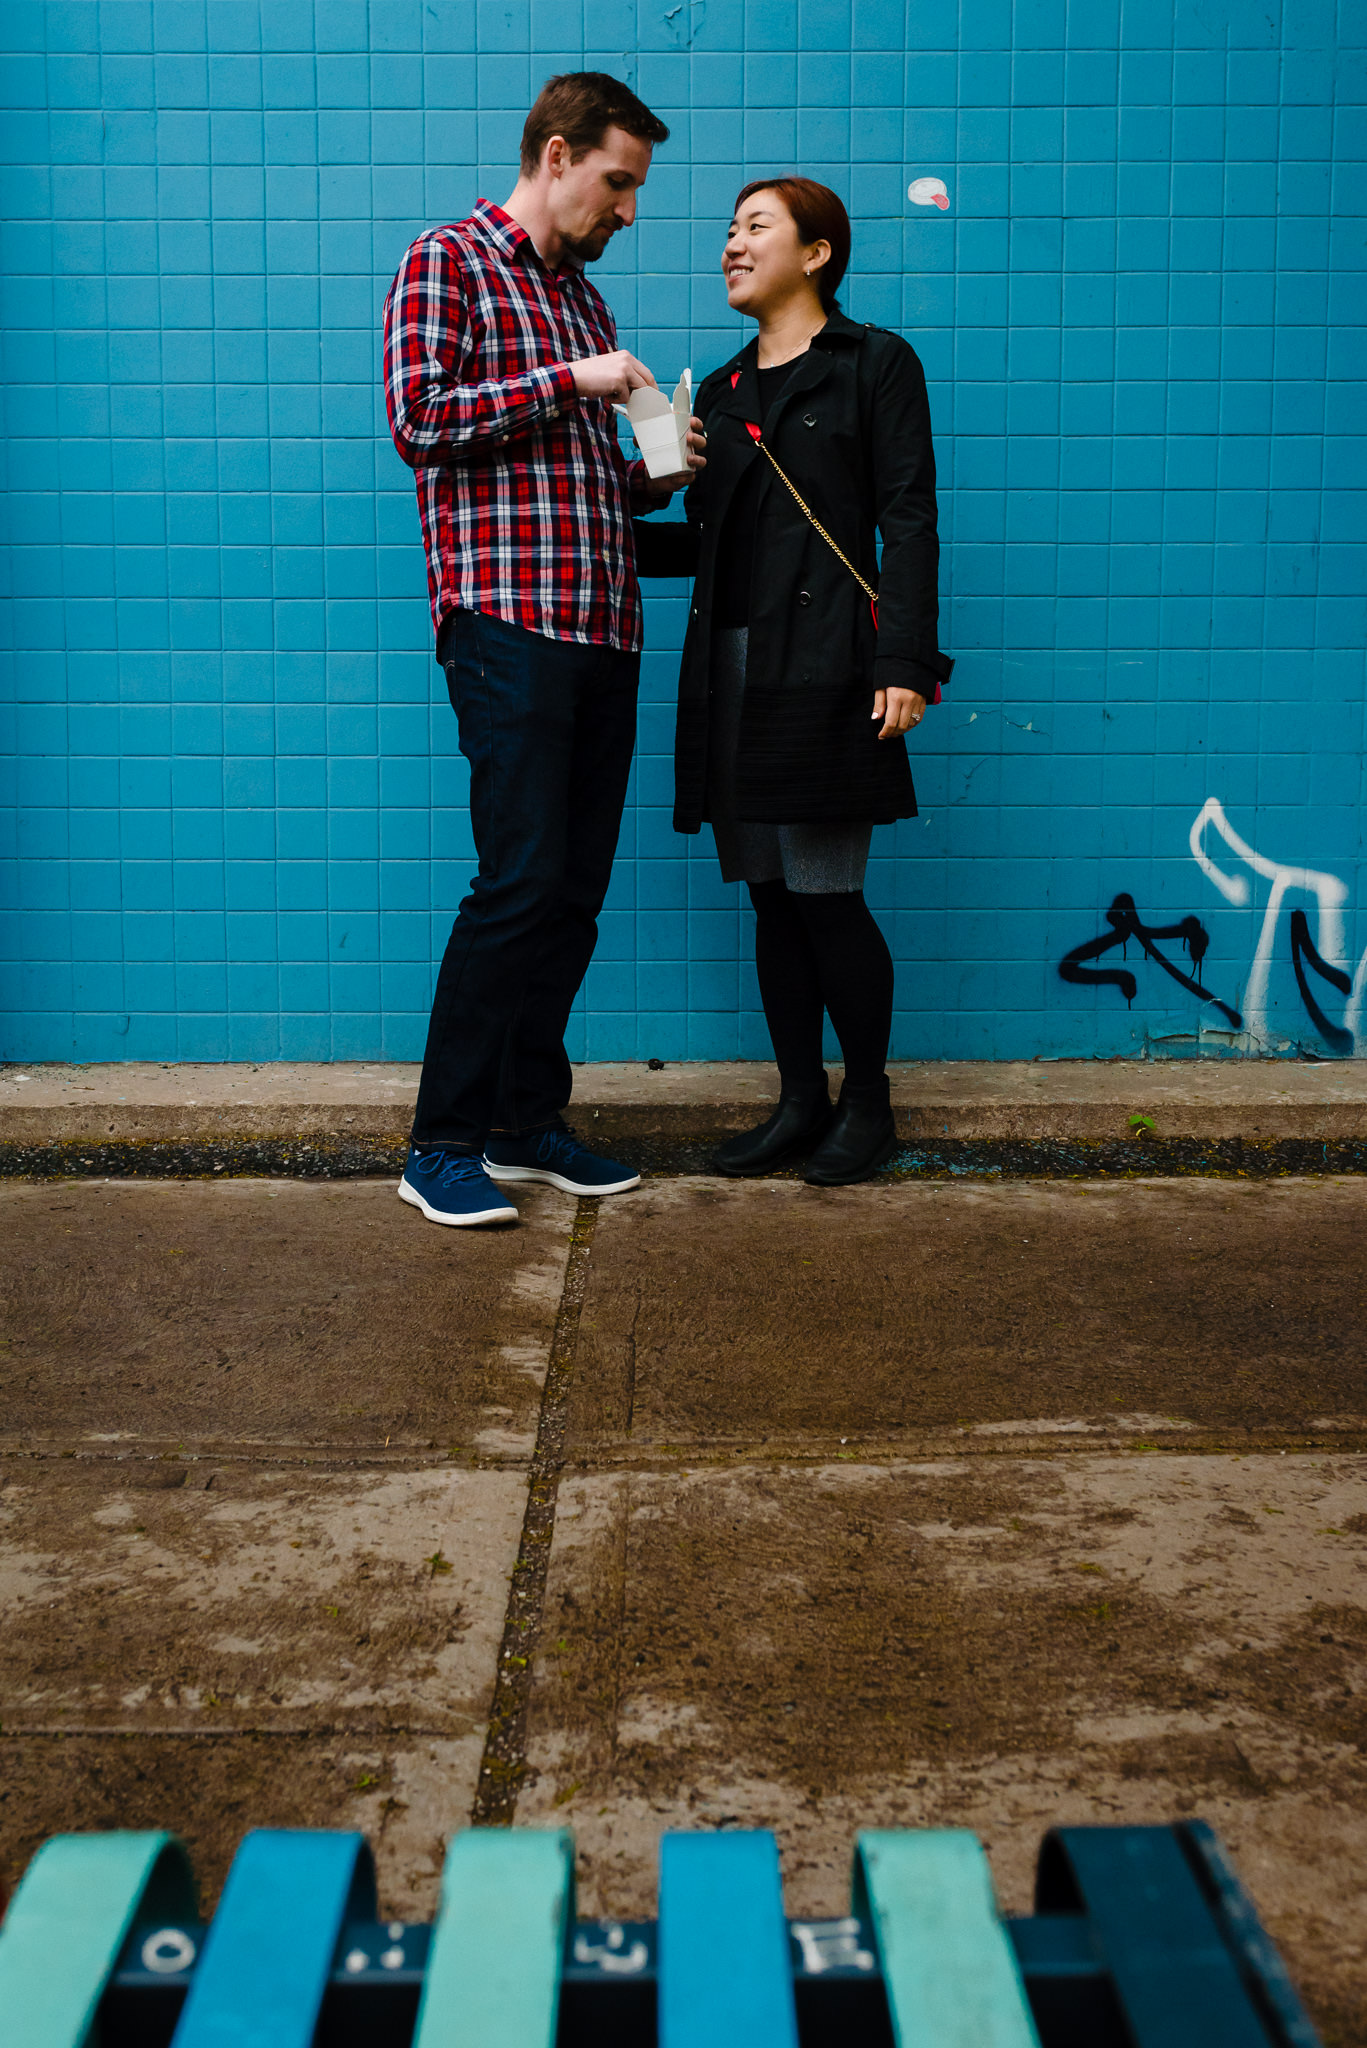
(271, 1311)
(997, 1644)
(223, 1609)
(225, 1600)
(717, 1309)
(407, 1794)
(162, 1595)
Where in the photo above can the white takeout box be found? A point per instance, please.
(661, 425)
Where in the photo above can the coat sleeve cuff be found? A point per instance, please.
(665, 547)
(894, 672)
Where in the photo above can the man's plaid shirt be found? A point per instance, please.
(523, 490)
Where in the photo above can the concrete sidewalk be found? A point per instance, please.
(948, 1503)
(1014, 1117)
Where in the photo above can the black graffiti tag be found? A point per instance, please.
(1126, 924)
(1303, 949)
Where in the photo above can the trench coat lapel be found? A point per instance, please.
(743, 401)
(810, 370)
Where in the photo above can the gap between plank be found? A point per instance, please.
(504, 1763)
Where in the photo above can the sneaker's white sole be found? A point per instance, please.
(507, 1214)
(558, 1180)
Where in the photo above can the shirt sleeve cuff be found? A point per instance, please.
(556, 384)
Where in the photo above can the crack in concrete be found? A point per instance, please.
(503, 1765)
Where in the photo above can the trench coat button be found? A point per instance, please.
(804, 597)
(809, 419)
(806, 676)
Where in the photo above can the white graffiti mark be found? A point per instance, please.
(830, 1945)
(168, 1951)
(612, 1953)
(1330, 896)
(928, 192)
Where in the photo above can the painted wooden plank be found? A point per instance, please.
(493, 1970)
(951, 1973)
(266, 1959)
(725, 1977)
(1253, 1948)
(1177, 1981)
(68, 1922)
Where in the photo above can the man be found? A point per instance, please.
(501, 370)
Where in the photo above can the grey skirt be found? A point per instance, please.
(814, 860)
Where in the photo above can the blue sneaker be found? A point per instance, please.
(557, 1157)
(452, 1187)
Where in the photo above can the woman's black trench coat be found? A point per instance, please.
(851, 427)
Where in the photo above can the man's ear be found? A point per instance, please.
(557, 156)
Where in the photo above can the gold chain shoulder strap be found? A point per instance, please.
(867, 588)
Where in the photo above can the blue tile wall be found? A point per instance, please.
(231, 819)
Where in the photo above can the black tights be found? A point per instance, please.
(818, 954)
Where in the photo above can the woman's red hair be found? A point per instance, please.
(820, 217)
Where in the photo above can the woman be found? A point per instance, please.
(795, 693)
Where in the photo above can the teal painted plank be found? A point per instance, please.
(493, 1970)
(267, 1956)
(726, 1980)
(68, 1922)
(950, 1970)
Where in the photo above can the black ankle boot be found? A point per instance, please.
(792, 1130)
(862, 1138)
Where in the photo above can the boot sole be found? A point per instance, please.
(849, 1180)
(787, 1157)
(504, 1214)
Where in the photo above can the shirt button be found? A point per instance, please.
(809, 419)
(804, 597)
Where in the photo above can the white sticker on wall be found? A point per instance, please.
(928, 192)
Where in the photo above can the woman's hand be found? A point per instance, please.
(899, 710)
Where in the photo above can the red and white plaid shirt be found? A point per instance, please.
(523, 490)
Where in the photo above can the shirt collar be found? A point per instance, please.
(512, 241)
(499, 229)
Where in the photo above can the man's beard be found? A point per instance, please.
(586, 248)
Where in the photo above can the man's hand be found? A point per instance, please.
(615, 376)
(662, 487)
(899, 710)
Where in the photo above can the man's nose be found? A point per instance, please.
(625, 209)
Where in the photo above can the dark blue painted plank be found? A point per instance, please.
(1172, 1969)
(1253, 1949)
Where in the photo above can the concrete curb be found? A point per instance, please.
(1075, 1118)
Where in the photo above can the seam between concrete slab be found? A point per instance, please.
(288, 1731)
(665, 1154)
(313, 1457)
(885, 1450)
(504, 1762)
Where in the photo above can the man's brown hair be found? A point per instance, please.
(582, 106)
(821, 217)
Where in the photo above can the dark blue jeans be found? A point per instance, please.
(548, 728)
